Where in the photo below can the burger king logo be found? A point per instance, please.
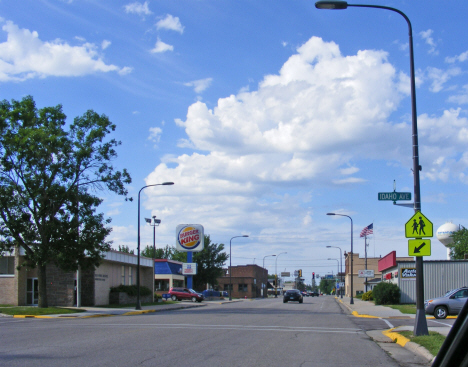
(189, 237)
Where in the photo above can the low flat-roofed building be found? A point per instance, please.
(167, 274)
(20, 287)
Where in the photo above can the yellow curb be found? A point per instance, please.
(137, 312)
(32, 316)
(356, 314)
(397, 338)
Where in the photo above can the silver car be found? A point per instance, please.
(450, 304)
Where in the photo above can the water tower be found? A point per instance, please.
(444, 233)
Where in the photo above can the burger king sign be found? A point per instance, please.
(190, 237)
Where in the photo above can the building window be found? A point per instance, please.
(123, 275)
(242, 287)
(161, 285)
(130, 281)
(226, 287)
(7, 265)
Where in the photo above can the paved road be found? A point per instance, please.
(250, 333)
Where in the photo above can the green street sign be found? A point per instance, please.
(394, 196)
(418, 226)
(419, 247)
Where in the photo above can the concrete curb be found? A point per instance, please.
(116, 313)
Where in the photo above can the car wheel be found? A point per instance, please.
(194, 299)
(440, 312)
(284, 301)
(174, 298)
(300, 301)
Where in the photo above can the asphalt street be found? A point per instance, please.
(318, 332)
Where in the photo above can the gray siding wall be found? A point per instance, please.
(439, 277)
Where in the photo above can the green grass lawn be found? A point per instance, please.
(431, 342)
(407, 308)
(29, 310)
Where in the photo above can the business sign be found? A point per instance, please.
(189, 237)
(189, 269)
(394, 196)
(365, 273)
(285, 274)
(418, 226)
(408, 273)
(296, 273)
(419, 247)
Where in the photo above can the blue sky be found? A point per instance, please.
(265, 114)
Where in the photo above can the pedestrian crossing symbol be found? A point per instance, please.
(418, 226)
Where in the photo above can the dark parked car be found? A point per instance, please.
(293, 295)
(179, 294)
(450, 304)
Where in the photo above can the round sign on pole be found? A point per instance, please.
(190, 237)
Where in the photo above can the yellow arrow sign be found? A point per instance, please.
(419, 247)
(418, 226)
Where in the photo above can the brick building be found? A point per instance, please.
(20, 287)
(247, 281)
(359, 285)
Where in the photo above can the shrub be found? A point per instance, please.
(131, 290)
(386, 294)
(157, 297)
(368, 296)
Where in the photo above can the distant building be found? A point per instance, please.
(247, 281)
(359, 284)
(167, 274)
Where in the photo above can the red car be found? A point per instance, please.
(179, 294)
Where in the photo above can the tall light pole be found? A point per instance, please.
(420, 325)
(263, 294)
(230, 266)
(341, 267)
(138, 304)
(156, 223)
(337, 265)
(351, 302)
(276, 274)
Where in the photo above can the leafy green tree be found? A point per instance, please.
(459, 247)
(327, 285)
(160, 253)
(209, 263)
(126, 249)
(47, 178)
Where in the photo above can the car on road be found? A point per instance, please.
(449, 304)
(179, 294)
(293, 295)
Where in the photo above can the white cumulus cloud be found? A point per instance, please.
(24, 56)
(161, 47)
(138, 8)
(199, 85)
(170, 22)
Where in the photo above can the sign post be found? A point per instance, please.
(190, 238)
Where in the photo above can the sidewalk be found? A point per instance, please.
(388, 339)
(104, 312)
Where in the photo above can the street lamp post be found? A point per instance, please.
(138, 304)
(230, 266)
(341, 267)
(351, 302)
(156, 223)
(337, 265)
(276, 274)
(263, 295)
(420, 325)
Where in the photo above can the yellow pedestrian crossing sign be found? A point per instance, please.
(418, 226)
(419, 247)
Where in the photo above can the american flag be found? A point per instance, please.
(367, 230)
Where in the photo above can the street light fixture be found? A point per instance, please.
(341, 267)
(156, 223)
(276, 274)
(138, 304)
(263, 294)
(230, 266)
(420, 325)
(351, 301)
